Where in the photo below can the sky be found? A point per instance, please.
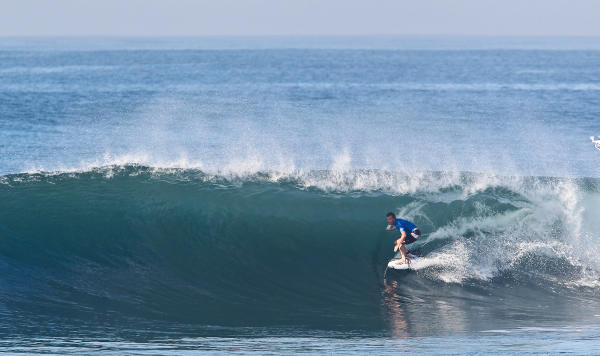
(299, 17)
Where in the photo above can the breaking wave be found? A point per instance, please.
(188, 245)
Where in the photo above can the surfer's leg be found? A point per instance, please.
(404, 252)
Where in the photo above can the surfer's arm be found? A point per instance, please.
(402, 238)
(400, 241)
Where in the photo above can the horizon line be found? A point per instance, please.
(295, 35)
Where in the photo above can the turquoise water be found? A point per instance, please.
(228, 195)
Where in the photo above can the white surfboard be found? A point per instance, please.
(395, 263)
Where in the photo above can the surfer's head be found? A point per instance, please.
(391, 218)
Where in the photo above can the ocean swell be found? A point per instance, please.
(188, 245)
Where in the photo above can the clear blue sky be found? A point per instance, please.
(299, 17)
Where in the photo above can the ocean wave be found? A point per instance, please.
(141, 239)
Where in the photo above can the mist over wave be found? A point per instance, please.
(286, 110)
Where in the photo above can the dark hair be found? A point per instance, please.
(390, 214)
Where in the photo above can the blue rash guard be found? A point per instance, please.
(409, 228)
(403, 225)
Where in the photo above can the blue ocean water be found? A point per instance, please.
(228, 195)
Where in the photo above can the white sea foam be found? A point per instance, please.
(548, 222)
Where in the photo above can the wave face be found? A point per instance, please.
(307, 248)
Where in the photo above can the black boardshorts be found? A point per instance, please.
(412, 237)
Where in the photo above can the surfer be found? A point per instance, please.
(410, 233)
(595, 141)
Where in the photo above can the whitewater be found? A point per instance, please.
(177, 195)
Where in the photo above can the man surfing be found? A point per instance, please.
(410, 233)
